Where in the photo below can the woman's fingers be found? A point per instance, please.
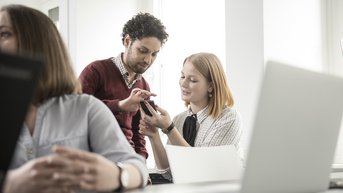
(151, 109)
(75, 154)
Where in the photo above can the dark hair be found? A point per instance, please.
(145, 25)
(38, 36)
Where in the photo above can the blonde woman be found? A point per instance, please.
(210, 119)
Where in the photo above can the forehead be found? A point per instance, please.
(190, 70)
(151, 43)
(4, 19)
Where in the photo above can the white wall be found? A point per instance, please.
(334, 14)
(293, 32)
(97, 27)
(244, 56)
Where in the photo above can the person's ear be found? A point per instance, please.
(127, 40)
(210, 88)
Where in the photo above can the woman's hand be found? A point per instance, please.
(160, 118)
(147, 129)
(96, 173)
(43, 175)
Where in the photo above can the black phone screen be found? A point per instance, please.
(145, 108)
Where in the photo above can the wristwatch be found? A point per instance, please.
(124, 177)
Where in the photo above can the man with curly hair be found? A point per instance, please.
(118, 81)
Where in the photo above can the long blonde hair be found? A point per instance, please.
(211, 68)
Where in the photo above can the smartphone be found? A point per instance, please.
(145, 108)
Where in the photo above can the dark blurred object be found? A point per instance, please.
(336, 184)
(157, 178)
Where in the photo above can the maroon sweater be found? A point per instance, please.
(103, 79)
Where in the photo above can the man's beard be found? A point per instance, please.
(133, 65)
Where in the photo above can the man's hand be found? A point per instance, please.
(131, 104)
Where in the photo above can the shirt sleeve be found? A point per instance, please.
(107, 139)
(226, 129)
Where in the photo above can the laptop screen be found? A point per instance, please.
(295, 131)
(18, 77)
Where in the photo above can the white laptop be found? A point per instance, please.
(295, 132)
(204, 164)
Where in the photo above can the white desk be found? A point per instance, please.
(209, 187)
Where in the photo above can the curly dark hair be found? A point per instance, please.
(145, 25)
